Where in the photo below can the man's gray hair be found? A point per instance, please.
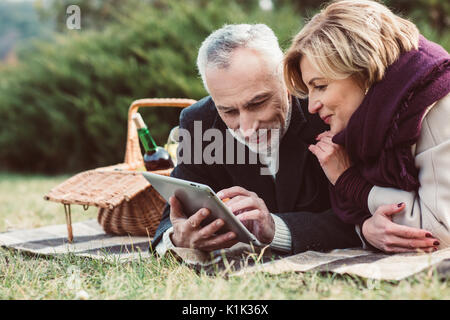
(217, 49)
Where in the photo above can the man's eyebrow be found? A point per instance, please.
(223, 108)
(258, 98)
(314, 79)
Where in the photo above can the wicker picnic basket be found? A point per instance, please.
(127, 203)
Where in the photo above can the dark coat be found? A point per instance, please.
(298, 195)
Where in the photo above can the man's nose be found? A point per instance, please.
(247, 125)
(314, 106)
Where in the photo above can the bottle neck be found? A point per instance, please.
(147, 140)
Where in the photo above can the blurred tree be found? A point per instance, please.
(96, 14)
(18, 22)
(64, 107)
(434, 12)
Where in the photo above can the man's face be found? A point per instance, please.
(249, 96)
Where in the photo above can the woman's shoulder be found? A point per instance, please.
(435, 125)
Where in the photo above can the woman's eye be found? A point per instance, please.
(320, 88)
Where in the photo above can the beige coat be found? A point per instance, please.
(429, 208)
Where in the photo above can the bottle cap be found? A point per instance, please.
(138, 121)
(174, 135)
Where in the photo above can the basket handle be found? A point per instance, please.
(133, 155)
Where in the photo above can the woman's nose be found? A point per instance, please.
(314, 106)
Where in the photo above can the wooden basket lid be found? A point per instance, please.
(101, 188)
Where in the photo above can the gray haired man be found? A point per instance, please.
(241, 68)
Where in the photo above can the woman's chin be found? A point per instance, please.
(335, 128)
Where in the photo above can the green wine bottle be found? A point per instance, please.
(155, 157)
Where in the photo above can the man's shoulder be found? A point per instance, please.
(203, 110)
(313, 124)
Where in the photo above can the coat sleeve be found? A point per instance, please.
(321, 231)
(429, 208)
(200, 173)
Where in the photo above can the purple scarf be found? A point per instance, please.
(380, 133)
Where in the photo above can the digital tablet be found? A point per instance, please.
(194, 196)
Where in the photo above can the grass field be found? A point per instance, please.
(27, 277)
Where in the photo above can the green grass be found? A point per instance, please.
(28, 277)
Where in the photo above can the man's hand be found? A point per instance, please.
(332, 157)
(251, 210)
(187, 232)
(382, 233)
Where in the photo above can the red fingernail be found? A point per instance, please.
(429, 235)
(435, 249)
(436, 243)
(400, 204)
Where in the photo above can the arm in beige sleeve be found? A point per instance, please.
(429, 208)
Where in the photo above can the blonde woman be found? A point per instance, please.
(384, 91)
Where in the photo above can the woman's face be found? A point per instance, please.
(334, 100)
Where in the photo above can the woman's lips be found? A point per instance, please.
(327, 119)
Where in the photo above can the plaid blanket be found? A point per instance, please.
(91, 241)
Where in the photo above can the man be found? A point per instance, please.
(241, 67)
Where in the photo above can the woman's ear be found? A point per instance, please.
(361, 81)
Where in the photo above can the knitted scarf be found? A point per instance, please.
(381, 132)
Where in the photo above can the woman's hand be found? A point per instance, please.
(382, 233)
(332, 157)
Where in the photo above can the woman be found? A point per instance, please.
(384, 90)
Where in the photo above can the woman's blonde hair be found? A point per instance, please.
(358, 38)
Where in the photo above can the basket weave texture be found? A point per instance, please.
(127, 203)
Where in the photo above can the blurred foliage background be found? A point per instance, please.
(64, 94)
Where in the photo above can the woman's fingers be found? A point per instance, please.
(329, 149)
(324, 134)
(409, 232)
(403, 235)
(321, 150)
(317, 151)
(412, 243)
(390, 209)
(328, 140)
(314, 150)
(401, 230)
